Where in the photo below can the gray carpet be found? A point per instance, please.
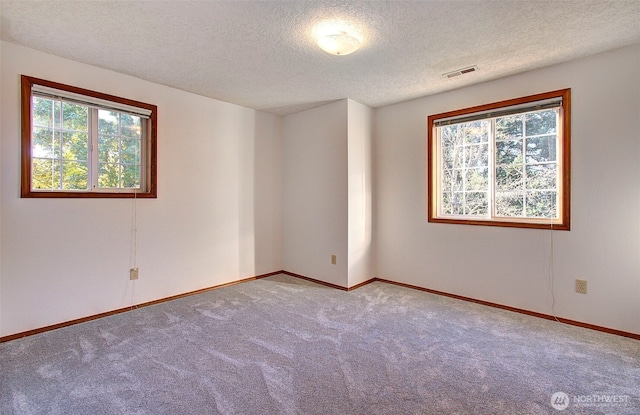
(282, 345)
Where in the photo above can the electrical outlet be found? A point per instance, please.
(333, 259)
(581, 286)
(133, 274)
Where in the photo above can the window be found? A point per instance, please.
(81, 143)
(502, 164)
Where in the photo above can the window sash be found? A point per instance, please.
(492, 166)
(96, 153)
(93, 153)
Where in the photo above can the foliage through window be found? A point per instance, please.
(504, 164)
(80, 143)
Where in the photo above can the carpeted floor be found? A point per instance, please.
(282, 345)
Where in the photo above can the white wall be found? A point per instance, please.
(243, 193)
(327, 191)
(315, 188)
(217, 218)
(359, 136)
(511, 266)
(267, 181)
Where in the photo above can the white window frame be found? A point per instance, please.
(559, 99)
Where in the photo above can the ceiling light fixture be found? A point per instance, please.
(340, 43)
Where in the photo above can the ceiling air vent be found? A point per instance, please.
(462, 71)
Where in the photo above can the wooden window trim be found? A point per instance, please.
(565, 194)
(151, 166)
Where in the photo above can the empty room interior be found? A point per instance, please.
(321, 207)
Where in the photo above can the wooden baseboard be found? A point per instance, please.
(517, 310)
(362, 284)
(458, 297)
(328, 284)
(125, 309)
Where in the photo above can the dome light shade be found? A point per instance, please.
(338, 43)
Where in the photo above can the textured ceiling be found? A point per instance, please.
(262, 55)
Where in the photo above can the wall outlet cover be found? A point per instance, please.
(581, 286)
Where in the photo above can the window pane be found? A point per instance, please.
(509, 178)
(74, 116)
(119, 150)
(453, 203)
(541, 176)
(476, 155)
(452, 180)
(42, 112)
(131, 176)
(465, 203)
(130, 151)
(108, 122)
(541, 204)
(74, 175)
(452, 156)
(45, 144)
(74, 146)
(510, 205)
(509, 127)
(446, 205)
(541, 149)
(508, 152)
(108, 149)
(452, 135)
(465, 179)
(476, 131)
(476, 204)
(541, 122)
(108, 175)
(477, 179)
(130, 126)
(45, 174)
